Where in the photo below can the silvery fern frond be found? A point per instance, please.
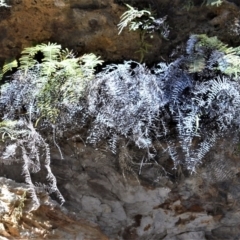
(3, 3)
(10, 151)
(214, 2)
(128, 17)
(129, 102)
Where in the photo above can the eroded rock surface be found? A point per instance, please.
(91, 26)
(157, 204)
(85, 26)
(172, 206)
(49, 221)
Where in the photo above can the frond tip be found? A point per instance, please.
(128, 17)
(3, 3)
(9, 66)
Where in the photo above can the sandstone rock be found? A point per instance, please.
(50, 221)
(171, 205)
(91, 26)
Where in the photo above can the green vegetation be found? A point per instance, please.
(214, 2)
(58, 78)
(145, 23)
(220, 56)
(132, 17)
(58, 92)
(46, 88)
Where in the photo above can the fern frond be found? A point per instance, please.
(66, 54)
(27, 62)
(3, 4)
(50, 176)
(197, 64)
(128, 17)
(7, 130)
(51, 51)
(10, 151)
(214, 2)
(90, 61)
(230, 65)
(49, 67)
(28, 179)
(202, 150)
(70, 67)
(9, 66)
(212, 43)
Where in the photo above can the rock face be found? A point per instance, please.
(84, 26)
(155, 205)
(104, 199)
(172, 206)
(91, 26)
(49, 221)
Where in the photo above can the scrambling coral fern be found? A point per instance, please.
(124, 101)
(183, 106)
(42, 95)
(143, 106)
